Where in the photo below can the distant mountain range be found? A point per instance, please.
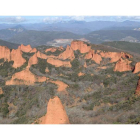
(95, 32)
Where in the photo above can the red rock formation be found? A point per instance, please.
(58, 63)
(94, 56)
(67, 54)
(41, 55)
(50, 50)
(16, 56)
(25, 77)
(137, 68)
(34, 50)
(47, 70)
(4, 53)
(1, 91)
(60, 48)
(80, 74)
(61, 86)
(138, 88)
(33, 60)
(123, 65)
(81, 46)
(26, 49)
(115, 56)
(85, 65)
(56, 113)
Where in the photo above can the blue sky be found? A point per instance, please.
(54, 19)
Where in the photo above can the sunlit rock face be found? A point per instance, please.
(67, 54)
(138, 88)
(56, 113)
(5, 53)
(41, 55)
(25, 77)
(137, 68)
(26, 49)
(94, 56)
(115, 56)
(34, 50)
(123, 65)
(33, 60)
(81, 46)
(16, 56)
(58, 63)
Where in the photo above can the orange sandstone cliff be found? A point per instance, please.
(138, 88)
(56, 113)
(115, 56)
(67, 54)
(33, 50)
(58, 63)
(16, 56)
(137, 68)
(25, 77)
(94, 56)
(5, 53)
(26, 49)
(33, 60)
(81, 46)
(41, 55)
(123, 65)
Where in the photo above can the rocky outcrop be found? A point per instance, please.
(81, 46)
(67, 54)
(115, 56)
(46, 70)
(123, 65)
(61, 86)
(25, 77)
(58, 63)
(56, 113)
(26, 49)
(4, 53)
(16, 56)
(1, 91)
(50, 50)
(34, 50)
(94, 56)
(137, 68)
(80, 74)
(33, 60)
(137, 92)
(41, 55)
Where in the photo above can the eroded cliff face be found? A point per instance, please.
(16, 56)
(123, 65)
(41, 55)
(34, 50)
(5, 53)
(61, 86)
(115, 56)
(26, 49)
(56, 113)
(67, 54)
(137, 92)
(50, 50)
(94, 56)
(81, 46)
(137, 68)
(1, 91)
(59, 63)
(25, 77)
(33, 60)
(81, 74)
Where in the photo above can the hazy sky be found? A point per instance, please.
(54, 19)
